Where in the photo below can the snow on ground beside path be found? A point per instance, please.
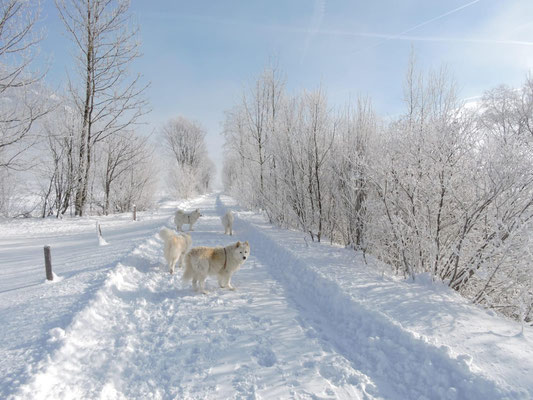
(30, 306)
(359, 300)
(307, 321)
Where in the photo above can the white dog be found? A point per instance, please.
(181, 217)
(227, 222)
(175, 247)
(222, 262)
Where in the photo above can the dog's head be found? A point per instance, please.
(241, 251)
(194, 215)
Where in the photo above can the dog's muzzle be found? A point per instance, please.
(244, 258)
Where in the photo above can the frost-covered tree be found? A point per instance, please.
(119, 154)
(422, 160)
(57, 170)
(108, 99)
(20, 108)
(138, 183)
(192, 171)
(444, 189)
(279, 157)
(251, 127)
(351, 174)
(456, 191)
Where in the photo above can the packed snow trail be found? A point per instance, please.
(145, 336)
(288, 331)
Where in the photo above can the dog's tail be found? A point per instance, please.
(188, 272)
(165, 233)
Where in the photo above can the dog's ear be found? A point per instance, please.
(246, 243)
(238, 244)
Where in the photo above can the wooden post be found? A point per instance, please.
(134, 212)
(48, 263)
(101, 240)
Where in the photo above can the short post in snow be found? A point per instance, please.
(134, 212)
(101, 240)
(48, 263)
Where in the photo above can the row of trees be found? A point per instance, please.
(444, 189)
(78, 151)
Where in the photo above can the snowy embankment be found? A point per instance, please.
(415, 340)
(30, 306)
(307, 321)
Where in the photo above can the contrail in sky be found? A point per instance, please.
(316, 22)
(399, 35)
(438, 17)
(318, 15)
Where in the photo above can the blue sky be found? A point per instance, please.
(198, 55)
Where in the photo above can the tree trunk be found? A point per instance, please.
(83, 170)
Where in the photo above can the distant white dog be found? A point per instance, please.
(227, 222)
(181, 217)
(175, 247)
(221, 262)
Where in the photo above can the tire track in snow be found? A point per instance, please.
(145, 336)
(401, 365)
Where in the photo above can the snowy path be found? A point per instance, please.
(144, 336)
(288, 331)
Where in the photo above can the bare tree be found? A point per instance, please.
(107, 98)
(258, 116)
(137, 185)
(19, 107)
(185, 140)
(59, 128)
(119, 153)
(351, 174)
(192, 171)
(237, 171)
(444, 189)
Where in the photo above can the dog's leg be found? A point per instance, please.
(194, 284)
(171, 267)
(202, 272)
(229, 284)
(202, 286)
(222, 282)
(172, 264)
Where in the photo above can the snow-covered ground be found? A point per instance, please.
(307, 321)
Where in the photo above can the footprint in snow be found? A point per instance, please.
(265, 357)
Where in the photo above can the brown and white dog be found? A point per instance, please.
(222, 262)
